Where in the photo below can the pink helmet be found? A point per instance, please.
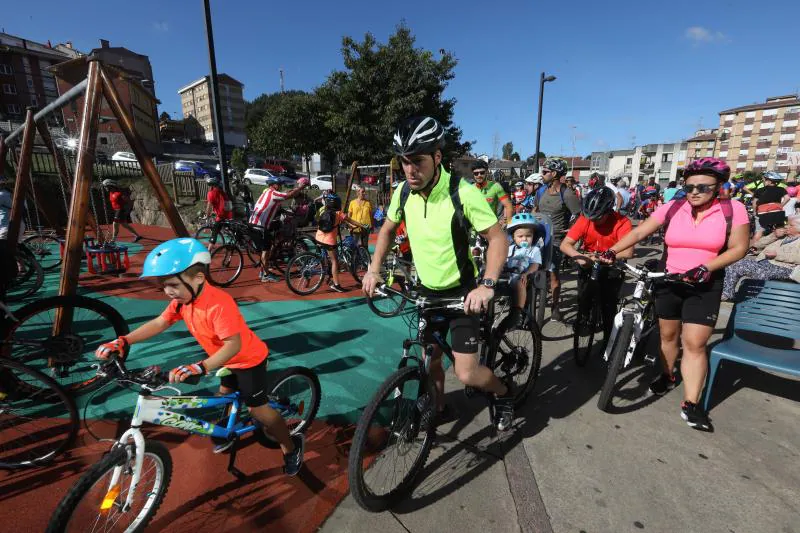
(708, 165)
(791, 191)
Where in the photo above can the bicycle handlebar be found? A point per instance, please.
(422, 302)
(151, 377)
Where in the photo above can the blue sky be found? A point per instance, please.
(653, 70)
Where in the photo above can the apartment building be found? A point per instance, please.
(659, 161)
(196, 102)
(24, 77)
(760, 137)
(703, 144)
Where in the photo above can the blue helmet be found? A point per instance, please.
(522, 220)
(174, 256)
(772, 175)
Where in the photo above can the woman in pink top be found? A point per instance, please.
(699, 247)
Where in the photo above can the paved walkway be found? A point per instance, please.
(571, 468)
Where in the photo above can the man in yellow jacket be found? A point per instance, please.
(360, 210)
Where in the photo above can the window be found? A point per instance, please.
(6, 69)
(629, 161)
(767, 125)
(666, 158)
(750, 114)
(765, 139)
(787, 136)
(729, 117)
(741, 164)
(745, 140)
(13, 109)
(759, 164)
(769, 113)
(790, 123)
(9, 89)
(710, 144)
(723, 155)
(747, 127)
(762, 151)
(743, 152)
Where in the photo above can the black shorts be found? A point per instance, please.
(691, 305)
(464, 329)
(250, 382)
(326, 247)
(122, 215)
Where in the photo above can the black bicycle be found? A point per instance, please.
(401, 276)
(29, 275)
(396, 430)
(306, 271)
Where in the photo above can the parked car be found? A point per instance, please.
(127, 159)
(257, 176)
(198, 168)
(323, 183)
(280, 167)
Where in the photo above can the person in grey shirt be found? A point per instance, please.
(560, 203)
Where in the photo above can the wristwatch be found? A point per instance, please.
(487, 282)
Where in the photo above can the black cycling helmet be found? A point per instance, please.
(598, 203)
(480, 163)
(418, 135)
(332, 201)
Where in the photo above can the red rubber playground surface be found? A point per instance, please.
(202, 495)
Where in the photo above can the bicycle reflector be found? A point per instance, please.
(301, 407)
(111, 497)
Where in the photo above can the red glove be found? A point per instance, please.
(699, 274)
(119, 346)
(176, 375)
(608, 257)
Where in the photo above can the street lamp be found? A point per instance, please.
(539, 121)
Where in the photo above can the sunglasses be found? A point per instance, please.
(702, 188)
(479, 173)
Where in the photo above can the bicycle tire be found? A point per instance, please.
(69, 353)
(287, 251)
(307, 266)
(516, 360)
(29, 278)
(582, 344)
(359, 264)
(204, 234)
(226, 265)
(42, 246)
(615, 361)
(40, 401)
(118, 455)
(309, 412)
(364, 437)
(397, 303)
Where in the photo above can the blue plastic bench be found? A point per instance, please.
(762, 330)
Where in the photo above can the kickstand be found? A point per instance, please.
(232, 459)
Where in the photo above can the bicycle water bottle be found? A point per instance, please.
(596, 270)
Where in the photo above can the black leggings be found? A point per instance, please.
(606, 288)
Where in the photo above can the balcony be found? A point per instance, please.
(765, 144)
(790, 129)
(742, 158)
(785, 144)
(749, 120)
(791, 115)
(727, 124)
(762, 157)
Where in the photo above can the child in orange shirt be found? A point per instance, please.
(213, 318)
(330, 218)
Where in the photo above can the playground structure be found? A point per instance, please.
(92, 80)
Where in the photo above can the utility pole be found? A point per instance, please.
(544, 79)
(282, 89)
(218, 125)
(495, 144)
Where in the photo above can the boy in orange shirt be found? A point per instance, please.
(330, 217)
(213, 318)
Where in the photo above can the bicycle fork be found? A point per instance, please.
(638, 326)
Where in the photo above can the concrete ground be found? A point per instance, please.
(569, 467)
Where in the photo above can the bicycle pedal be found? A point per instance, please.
(650, 359)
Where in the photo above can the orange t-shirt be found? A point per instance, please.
(329, 238)
(214, 316)
(599, 238)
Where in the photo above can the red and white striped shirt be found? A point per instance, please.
(266, 207)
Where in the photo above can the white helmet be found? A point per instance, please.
(534, 178)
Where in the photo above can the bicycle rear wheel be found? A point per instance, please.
(304, 273)
(67, 354)
(46, 249)
(29, 276)
(38, 420)
(226, 265)
(94, 504)
(398, 278)
(615, 362)
(205, 233)
(359, 263)
(518, 358)
(392, 441)
(583, 337)
(296, 395)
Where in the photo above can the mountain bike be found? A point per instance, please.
(126, 487)
(306, 271)
(401, 276)
(45, 246)
(58, 337)
(38, 419)
(634, 322)
(397, 427)
(29, 276)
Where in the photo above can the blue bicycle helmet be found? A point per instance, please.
(522, 220)
(174, 256)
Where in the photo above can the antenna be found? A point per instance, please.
(495, 144)
(281, 71)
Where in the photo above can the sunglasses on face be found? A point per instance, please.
(479, 173)
(702, 188)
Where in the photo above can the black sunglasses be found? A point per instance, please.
(479, 173)
(702, 188)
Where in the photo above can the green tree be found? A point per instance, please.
(531, 160)
(255, 109)
(293, 124)
(164, 116)
(508, 149)
(239, 161)
(515, 156)
(382, 84)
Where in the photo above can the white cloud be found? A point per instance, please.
(699, 34)
(161, 27)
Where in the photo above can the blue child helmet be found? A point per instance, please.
(522, 220)
(174, 256)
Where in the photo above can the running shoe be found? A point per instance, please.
(504, 409)
(663, 384)
(555, 315)
(268, 278)
(293, 462)
(336, 288)
(696, 417)
(138, 238)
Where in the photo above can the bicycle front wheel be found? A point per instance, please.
(66, 353)
(304, 273)
(46, 249)
(226, 265)
(392, 441)
(38, 420)
(205, 234)
(518, 358)
(360, 263)
(583, 336)
(29, 276)
(296, 395)
(615, 362)
(398, 278)
(97, 501)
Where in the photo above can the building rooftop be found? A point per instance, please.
(706, 137)
(10, 43)
(224, 79)
(771, 103)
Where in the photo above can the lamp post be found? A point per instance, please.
(215, 103)
(539, 121)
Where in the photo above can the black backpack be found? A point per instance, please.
(460, 228)
(327, 221)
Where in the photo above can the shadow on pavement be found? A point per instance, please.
(302, 343)
(732, 377)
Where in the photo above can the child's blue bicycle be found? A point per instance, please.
(123, 491)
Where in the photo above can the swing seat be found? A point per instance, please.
(111, 259)
(87, 243)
